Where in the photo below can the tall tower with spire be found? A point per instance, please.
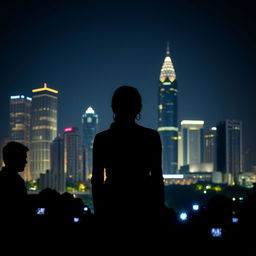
(167, 115)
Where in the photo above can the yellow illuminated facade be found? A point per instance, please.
(43, 128)
(19, 126)
(192, 141)
(167, 128)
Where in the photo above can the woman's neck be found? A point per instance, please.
(124, 120)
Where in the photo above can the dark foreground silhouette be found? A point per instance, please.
(62, 221)
(127, 181)
(12, 187)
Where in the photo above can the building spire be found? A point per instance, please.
(168, 48)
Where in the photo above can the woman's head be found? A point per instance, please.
(126, 103)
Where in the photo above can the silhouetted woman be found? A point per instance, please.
(127, 178)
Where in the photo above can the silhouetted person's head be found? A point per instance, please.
(15, 156)
(126, 103)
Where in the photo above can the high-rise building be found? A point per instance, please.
(192, 141)
(43, 128)
(167, 115)
(72, 154)
(210, 147)
(19, 125)
(57, 165)
(90, 123)
(180, 150)
(229, 150)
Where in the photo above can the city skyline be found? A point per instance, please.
(81, 49)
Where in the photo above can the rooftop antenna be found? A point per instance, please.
(168, 48)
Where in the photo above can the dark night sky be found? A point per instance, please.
(86, 49)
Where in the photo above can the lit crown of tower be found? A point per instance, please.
(45, 88)
(167, 70)
(89, 111)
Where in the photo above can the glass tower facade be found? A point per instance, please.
(72, 154)
(57, 165)
(43, 128)
(19, 125)
(167, 115)
(90, 123)
(229, 150)
(210, 147)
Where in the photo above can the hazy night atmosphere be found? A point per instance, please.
(87, 49)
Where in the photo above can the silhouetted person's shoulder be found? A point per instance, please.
(124, 149)
(133, 129)
(12, 185)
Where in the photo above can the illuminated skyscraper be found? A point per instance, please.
(43, 128)
(167, 115)
(192, 133)
(90, 123)
(72, 154)
(20, 120)
(229, 150)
